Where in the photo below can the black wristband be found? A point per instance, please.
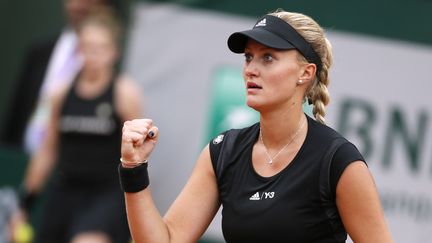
(134, 179)
(26, 199)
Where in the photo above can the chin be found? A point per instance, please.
(253, 104)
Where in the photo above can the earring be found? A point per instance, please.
(300, 81)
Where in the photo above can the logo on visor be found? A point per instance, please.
(261, 23)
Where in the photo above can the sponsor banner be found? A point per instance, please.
(380, 102)
(193, 89)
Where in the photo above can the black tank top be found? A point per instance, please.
(295, 205)
(90, 137)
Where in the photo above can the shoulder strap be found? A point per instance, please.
(326, 193)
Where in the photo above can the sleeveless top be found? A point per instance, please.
(90, 138)
(298, 204)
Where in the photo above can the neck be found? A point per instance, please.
(279, 127)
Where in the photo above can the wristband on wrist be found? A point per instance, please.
(26, 199)
(134, 179)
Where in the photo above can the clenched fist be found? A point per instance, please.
(138, 141)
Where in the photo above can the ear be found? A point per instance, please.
(307, 74)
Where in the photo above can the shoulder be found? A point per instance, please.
(233, 138)
(127, 98)
(124, 83)
(328, 139)
(126, 89)
(324, 132)
(229, 144)
(329, 136)
(234, 134)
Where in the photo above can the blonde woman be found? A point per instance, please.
(287, 178)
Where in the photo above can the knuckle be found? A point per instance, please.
(126, 124)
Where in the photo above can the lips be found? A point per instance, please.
(252, 85)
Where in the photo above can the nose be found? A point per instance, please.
(250, 70)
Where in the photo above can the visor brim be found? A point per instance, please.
(238, 40)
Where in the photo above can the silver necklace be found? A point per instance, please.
(271, 158)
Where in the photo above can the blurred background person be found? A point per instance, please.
(84, 202)
(47, 65)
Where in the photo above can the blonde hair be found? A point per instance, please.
(317, 93)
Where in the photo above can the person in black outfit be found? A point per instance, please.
(85, 202)
(43, 62)
(287, 178)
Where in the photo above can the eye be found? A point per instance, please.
(248, 57)
(268, 57)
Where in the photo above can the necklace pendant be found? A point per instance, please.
(270, 161)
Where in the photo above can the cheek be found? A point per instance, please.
(281, 77)
(109, 52)
(108, 58)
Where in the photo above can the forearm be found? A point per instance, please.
(145, 221)
(43, 160)
(40, 167)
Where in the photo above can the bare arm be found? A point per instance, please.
(359, 206)
(192, 211)
(43, 161)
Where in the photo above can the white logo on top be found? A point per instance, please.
(255, 197)
(264, 195)
(261, 23)
(218, 139)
